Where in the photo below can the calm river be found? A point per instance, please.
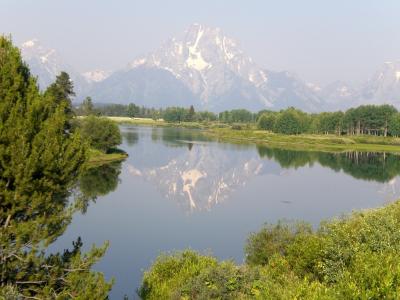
(180, 190)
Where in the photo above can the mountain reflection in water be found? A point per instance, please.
(204, 176)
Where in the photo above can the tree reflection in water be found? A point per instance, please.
(97, 181)
(380, 167)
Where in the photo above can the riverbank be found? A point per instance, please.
(98, 158)
(308, 141)
(160, 123)
(249, 134)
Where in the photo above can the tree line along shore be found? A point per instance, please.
(364, 128)
(374, 120)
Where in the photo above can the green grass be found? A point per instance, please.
(137, 121)
(352, 257)
(162, 123)
(309, 141)
(98, 158)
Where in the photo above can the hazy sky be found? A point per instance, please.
(319, 40)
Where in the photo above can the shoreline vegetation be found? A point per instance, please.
(352, 257)
(98, 158)
(247, 133)
(103, 137)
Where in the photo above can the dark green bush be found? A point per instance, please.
(266, 121)
(101, 133)
(273, 239)
(169, 272)
(222, 281)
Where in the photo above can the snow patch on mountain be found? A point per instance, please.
(216, 70)
(397, 76)
(205, 68)
(195, 60)
(96, 75)
(30, 43)
(46, 64)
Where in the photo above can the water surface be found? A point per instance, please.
(179, 189)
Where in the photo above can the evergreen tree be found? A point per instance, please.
(132, 110)
(191, 113)
(87, 107)
(62, 91)
(64, 87)
(394, 125)
(39, 161)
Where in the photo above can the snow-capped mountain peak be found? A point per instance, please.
(96, 75)
(46, 64)
(217, 71)
(34, 49)
(208, 69)
(314, 87)
(397, 76)
(30, 43)
(384, 85)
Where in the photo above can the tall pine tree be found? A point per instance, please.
(40, 160)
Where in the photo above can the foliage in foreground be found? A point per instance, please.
(354, 257)
(40, 159)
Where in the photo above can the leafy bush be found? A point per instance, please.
(354, 257)
(272, 239)
(220, 281)
(168, 273)
(266, 121)
(291, 121)
(101, 133)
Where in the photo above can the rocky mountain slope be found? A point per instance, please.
(216, 72)
(205, 68)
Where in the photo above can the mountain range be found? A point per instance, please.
(205, 68)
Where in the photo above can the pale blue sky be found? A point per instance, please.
(319, 40)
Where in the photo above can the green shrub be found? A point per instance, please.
(370, 275)
(169, 272)
(266, 121)
(101, 133)
(354, 257)
(221, 281)
(291, 121)
(272, 239)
